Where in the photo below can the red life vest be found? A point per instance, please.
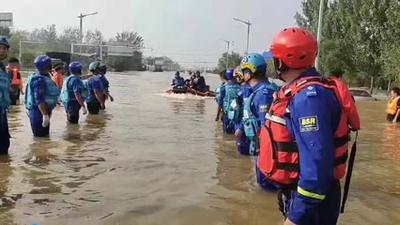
(279, 153)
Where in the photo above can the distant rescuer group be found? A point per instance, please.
(44, 90)
(299, 135)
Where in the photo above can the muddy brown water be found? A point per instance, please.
(157, 159)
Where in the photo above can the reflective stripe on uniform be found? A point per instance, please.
(275, 119)
(310, 194)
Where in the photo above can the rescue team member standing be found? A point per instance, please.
(105, 83)
(218, 93)
(254, 69)
(41, 96)
(73, 93)
(57, 75)
(242, 143)
(16, 88)
(305, 138)
(393, 106)
(95, 99)
(5, 101)
(228, 96)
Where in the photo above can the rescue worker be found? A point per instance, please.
(218, 93)
(303, 145)
(242, 142)
(57, 75)
(95, 99)
(393, 106)
(105, 83)
(73, 93)
(254, 68)
(178, 81)
(228, 102)
(41, 96)
(5, 101)
(16, 88)
(200, 82)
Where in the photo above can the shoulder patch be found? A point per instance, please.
(308, 124)
(266, 91)
(264, 108)
(311, 91)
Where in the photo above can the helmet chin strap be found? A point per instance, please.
(247, 81)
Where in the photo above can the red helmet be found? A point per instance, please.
(296, 47)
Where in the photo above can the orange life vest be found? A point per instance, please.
(279, 153)
(57, 78)
(15, 80)
(391, 107)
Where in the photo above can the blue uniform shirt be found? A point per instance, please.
(104, 81)
(94, 83)
(261, 101)
(38, 86)
(178, 82)
(246, 91)
(314, 117)
(76, 87)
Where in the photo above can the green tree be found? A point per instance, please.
(131, 38)
(5, 31)
(355, 33)
(70, 35)
(233, 59)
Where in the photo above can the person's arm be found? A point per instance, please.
(263, 101)
(39, 87)
(312, 121)
(107, 93)
(397, 113)
(76, 87)
(220, 101)
(173, 82)
(97, 88)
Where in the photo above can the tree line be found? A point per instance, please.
(359, 36)
(49, 40)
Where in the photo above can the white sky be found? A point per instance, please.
(187, 31)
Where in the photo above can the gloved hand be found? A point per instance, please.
(46, 120)
(84, 110)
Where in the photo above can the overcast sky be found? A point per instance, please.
(187, 31)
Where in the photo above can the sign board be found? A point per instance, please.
(120, 49)
(6, 20)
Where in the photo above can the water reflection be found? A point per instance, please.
(240, 197)
(8, 201)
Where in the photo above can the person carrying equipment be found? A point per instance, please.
(228, 102)
(304, 140)
(256, 107)
(41, 97)
(95, 99)
(74, 93)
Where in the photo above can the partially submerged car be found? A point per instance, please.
(362, 95)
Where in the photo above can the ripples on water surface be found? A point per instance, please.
(153, 158)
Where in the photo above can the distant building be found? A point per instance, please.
(6, 20)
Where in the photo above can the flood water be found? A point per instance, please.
(155, 159)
